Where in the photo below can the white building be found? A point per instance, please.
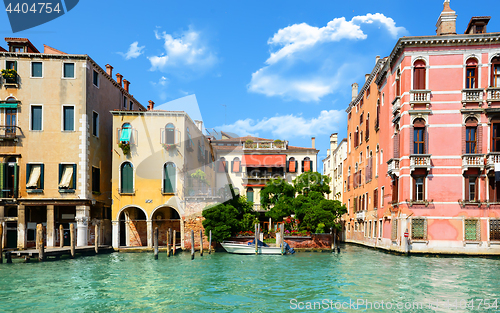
(332, 166)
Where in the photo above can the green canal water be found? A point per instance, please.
(222, 282)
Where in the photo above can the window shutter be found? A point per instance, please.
(287, 167)
(311, 166)
(60, 173)
(16, 180)
(412, 143)
(28, 172)
(414, 182)
(302, 166)
(296, 166)
(477, 188)
(232, 166)
(426, 140)
(396, 146)
(2, 179)
(466, 179)
(464, 139)
(42, 166)
(479, 144)
(15, 66)
(491, 186)
(74, 176)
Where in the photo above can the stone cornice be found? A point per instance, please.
(367, 83)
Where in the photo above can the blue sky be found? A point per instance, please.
(275, 69)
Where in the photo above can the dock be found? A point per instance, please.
(57, 252)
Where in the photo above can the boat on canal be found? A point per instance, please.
(238, 247)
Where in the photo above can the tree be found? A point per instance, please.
(326, 212)
(277, 197)
(312, 181)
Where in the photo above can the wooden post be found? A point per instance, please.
(1, 243)
(96, 241)
(174, 240)
(72, 239)
(333, 240)
(39, 240)
(210, 242)
(192, 244)
(155, 243)
(8, 256)
(169, 237)
(201, 242)
(61, 236)
(282, 233)
(256, 240)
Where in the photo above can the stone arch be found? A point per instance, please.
(167, 217)
(133, 226)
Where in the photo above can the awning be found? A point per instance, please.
(34, 176)
(8, 105)
(66, 177)
(264, 160)
(125, 136)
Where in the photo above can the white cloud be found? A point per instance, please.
(133, 51)
(185, 51)
(302, 44)
(284, 126)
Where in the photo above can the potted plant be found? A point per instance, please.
(278, 143)
(125, 146)
(249, 143)
(9, 75)
(170, 147)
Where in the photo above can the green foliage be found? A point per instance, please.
(320, 229)
(277, 197)
(327, 212)
(312, 181)
(9, 73)
(125, 146)
(200, 176)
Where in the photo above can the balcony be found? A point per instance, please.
(396, 102)
(473, 95)
(420, 161)
(261, 178)
(492, 94)
(10, 78)
(9, 133)
(393, 167)
(472, 161)
(420, 97)
(396, 107)
(491, 159)
(361, 215)
(266, 145)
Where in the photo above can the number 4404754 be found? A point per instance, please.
(34, 8)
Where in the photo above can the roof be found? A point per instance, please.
(23, 40)
(243, 139)
(474, 19)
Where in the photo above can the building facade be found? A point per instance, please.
(55, 143)
(333, 166)
(439, 116)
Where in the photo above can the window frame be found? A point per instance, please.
(31, 117)
(495, 126)
(121, 191)
(95, 124)
(469, 143)
(41, 180)
(419, 71)
(31, 69)
(95, 78)
(63, 70)
(415, 189)
(174, 184)
(97, 179)
(495, 75)
(74, 180)
(63, 121)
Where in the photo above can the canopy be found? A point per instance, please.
(125, 136)
(264, 160)
(34, 176)
(66, 177)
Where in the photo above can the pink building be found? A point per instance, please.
(439, 143)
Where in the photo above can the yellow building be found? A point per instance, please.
(162, 175)
(55, 142)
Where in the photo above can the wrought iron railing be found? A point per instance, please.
(9, 132)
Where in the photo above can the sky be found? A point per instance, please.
(273, 69)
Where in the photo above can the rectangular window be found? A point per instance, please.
(96, 79)
(131, 105)
(394, 230)
(96, 179)
(68, 118)
(67, 177)
(470, 140)
(382, 197)
(36, 117)
(125, 102)
(419, 228)
(375, 199)
(418, 140)
(95, 124)
(495, 229)
(495, 137)
(34, 176)
(471, 78)
(380, 229)
(36, 69)
(471, 185)
(11, 65)
(69, 70)
(419, 188)
(472, 230)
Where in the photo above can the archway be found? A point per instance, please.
(165, 218)
(133, 227)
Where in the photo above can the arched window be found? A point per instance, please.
(126, 133)
(222, 167)
(419, 136)
(127, 178)
(495, 72)
(307, 165)
(291, 165)
(471, 74)
(250, 194)
(169, 178)
(419, 75)
(471, 135)
(236, 165)
(170, 134)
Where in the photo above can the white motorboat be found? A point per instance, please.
(237, 247)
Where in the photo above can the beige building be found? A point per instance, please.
(163, 175)
(333, 164)
(55, 142)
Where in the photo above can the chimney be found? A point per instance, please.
(333, 141)
(313, 142)
(126, 83)
(366, 77)
(119, 79)
(151, 104)
(354, 91)
(377, 58)
(109, 70)
(447, 21)
(327, 152)
(199, 124)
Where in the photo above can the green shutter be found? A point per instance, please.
(28, 172)
(41, 175)
(74, 176)
(16, 180)
(60, 174)
(127, 178)
(302, 166)
(2, 179)
(296, 166)
(287, 163)
(311, 166)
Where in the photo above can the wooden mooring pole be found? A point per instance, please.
(201, 242)
(72, 239)
(61, 236)
(282, 234)
(96, 241)
(1, 243)
(155, 243)
(174, 240)
(210, 242)
(39, 240)
(192, 244)
(169, 238)
(256, 241)
(333, 240)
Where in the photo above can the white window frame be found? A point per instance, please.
(382, 189)
(120, 177)
(62, 118)
(31, 69)
(62, 70)
(31, 116)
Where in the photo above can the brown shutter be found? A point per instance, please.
(396, 146)
(466, 178)
(477, 188)
(412, 143)
(491, 183)
(416, 78)
(464, 139)
(479, 143)
(426, 140)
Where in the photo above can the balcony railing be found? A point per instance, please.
(268, 176)
(420, 161)
(492, 94)
(492, 158)
(472, 160)
(396, 107)
(396, 102)
(472, 96)
(9, 132)
(360, 215)
(393, 166)
(267, 145)
(11, 81)
(420, 97)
